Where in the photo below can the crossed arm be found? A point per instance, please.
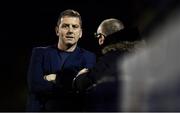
(52, 77)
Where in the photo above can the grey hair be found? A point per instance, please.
(110, 26)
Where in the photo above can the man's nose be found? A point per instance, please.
(70, 29)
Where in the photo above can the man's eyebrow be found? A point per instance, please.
(70, 24)
(65, 24)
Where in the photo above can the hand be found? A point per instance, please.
(80, 82)
(50, 77)
(84, 70)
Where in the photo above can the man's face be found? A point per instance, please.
(69, 30)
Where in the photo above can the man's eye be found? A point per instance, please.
(75, 26)
(65, 26)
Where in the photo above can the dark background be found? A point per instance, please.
(27, 24)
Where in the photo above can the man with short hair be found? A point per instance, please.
(53, 68)
(103, 82)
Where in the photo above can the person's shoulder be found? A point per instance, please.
(86, 52)
(42, 48)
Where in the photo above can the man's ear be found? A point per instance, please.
(80, 34)
(101, 40)
(57, 30)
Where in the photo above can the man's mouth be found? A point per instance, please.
(69, 37)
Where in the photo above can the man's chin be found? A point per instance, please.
(70, 43)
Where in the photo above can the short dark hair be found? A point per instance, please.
(70, 13)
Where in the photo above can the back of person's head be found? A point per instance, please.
(107, 28)
(69, 13)
(112, 35)
(110, 26)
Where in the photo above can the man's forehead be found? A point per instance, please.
(66, 18)
(99, 30)
(70, 20)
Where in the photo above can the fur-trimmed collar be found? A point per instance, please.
(122, 46)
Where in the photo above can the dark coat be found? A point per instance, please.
(103, 84)
(46, 60)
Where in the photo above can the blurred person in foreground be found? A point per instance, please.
(151, 75)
